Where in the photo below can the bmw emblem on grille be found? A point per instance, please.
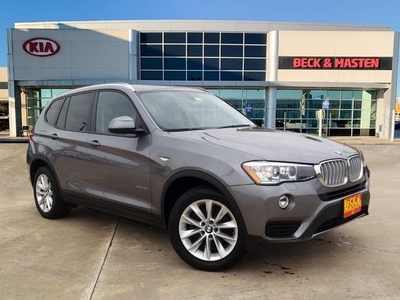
(338, 152)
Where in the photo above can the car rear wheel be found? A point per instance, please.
(47, 195)
(204, 230)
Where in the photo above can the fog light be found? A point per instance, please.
(283, 202)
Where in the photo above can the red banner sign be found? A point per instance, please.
(352, 63)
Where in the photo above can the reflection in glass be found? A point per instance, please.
(231, 51)
(194, 63)
(334, 94)
(211, 64)
(211, 38)
(195, 50)
(231, 76)
(151, 63)
(254, 76)
(175, 63)
(174, 37)
(231, 38)
(151, 50)
(211, 50)
(231, 93)
(211, 76)
(255, 51)
(254, 64)
(194, 75)
(231, 63)
(151, 37)
(195, 37)
(151, 75)
(174, 50)
(174, 75)
(255, 38)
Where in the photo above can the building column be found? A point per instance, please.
(133, 54)
(14, 108)
(272, 76)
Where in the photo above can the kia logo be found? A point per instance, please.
(41, 47)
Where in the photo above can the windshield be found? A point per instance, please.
(175, 110)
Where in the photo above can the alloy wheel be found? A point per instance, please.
(44, 193)
(208, 230)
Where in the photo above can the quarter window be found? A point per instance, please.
(54, 111)
(112, 105)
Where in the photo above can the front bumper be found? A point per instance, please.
(314, 209)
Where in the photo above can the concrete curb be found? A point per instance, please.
(13, 141)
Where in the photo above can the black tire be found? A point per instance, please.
(209, 230)
(45, 184)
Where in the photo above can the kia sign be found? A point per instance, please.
(41, 47)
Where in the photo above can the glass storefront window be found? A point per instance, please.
(231, 94)
(349, 110)
(319, 94)
(215, 92)
(358, 95)
(288, 94)
(334, 94)
(254, 94)
(347, 95)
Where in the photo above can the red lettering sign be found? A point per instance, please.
(42, 47)
(335, 63)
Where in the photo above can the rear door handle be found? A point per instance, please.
(94, 143)
(54, 136)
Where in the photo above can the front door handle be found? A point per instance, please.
(54, 136)
(94, 143)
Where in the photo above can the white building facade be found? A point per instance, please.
(279, 74)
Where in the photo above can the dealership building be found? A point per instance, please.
(278, 74)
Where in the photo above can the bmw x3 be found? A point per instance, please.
(185, 160)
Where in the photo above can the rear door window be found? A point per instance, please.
(79, 111)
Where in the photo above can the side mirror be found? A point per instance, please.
(123, 125)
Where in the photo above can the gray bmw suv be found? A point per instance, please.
(185, 160)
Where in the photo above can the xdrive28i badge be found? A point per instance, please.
(41, 47)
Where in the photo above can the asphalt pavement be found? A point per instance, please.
(94, 255)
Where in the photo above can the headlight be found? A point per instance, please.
(264, 172)
(362, 158)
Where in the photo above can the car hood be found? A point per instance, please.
(272, 145)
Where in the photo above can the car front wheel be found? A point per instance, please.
(204, 230)
(47, 195)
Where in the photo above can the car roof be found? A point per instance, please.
(133, 87)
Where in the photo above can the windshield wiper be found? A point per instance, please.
(186, 129)
(235, 126)
(208, 127)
